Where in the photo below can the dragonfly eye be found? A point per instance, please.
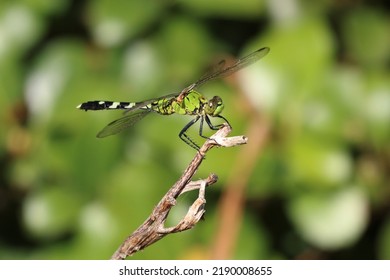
(214, 106)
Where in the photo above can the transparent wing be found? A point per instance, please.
(223, 71)
(120, 124)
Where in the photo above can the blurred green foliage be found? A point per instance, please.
(319, 188)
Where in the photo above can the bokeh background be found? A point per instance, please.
(312, 183)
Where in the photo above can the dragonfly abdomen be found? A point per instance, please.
(162, 106)
(105, 105)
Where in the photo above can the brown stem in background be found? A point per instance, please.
(233, 199)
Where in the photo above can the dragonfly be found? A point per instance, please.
(187, 102)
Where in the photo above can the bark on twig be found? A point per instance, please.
(153, 228)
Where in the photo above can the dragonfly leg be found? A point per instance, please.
(183, 136)
(201, 126)
(219, 116)
(215, 127)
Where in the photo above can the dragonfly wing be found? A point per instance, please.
(222, 70)
(120, 124)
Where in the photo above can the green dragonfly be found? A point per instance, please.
(187, 102)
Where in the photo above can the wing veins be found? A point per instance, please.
(230, 69)
(122, 123)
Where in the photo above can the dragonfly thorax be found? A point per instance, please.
(214, 106)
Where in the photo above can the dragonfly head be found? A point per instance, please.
(214, 106)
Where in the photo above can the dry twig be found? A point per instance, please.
(153, 228)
